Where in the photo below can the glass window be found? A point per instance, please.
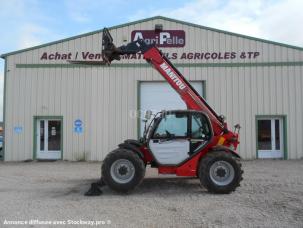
(264, 135)
(54, 135)
(172, 125)
(277, 134)
(200, 127)
(42, 135)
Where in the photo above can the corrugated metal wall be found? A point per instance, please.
(104, 97)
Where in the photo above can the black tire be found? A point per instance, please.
(119, 155)
(205, 170)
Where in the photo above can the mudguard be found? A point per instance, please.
(224, 148)
(133, 142)
(132, 147)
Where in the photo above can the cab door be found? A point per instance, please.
(170, 142)
(200, 130)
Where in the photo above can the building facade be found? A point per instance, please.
(54, 109)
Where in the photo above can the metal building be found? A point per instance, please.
(58, 110)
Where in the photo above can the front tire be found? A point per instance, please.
(122, 170)
(220, 172)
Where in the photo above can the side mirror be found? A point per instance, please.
(148, 114)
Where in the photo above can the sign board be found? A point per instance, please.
(165, 38)
(78, 126)
(53, 131)
(78, 123)
(78, 130)
(18, 129)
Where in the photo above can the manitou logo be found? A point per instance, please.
(165, 38)
(173, 76)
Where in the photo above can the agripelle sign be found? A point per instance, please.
(165, 38)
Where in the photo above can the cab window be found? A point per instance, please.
(172, 125)
(200, 127)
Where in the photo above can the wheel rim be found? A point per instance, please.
(122, 171)
(222, 173)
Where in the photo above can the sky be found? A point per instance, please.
(26, 23)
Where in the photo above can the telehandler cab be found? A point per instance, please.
(192, 143)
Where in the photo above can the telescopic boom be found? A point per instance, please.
(162, 64)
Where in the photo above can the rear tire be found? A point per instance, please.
(220, 172)
(122, 170)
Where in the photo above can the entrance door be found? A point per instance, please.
(270, 138)
(49, 139)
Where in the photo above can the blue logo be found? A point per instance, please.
(18, 129)
(78, 123)
(78, 130)
(78, 126)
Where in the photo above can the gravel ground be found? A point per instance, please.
(271, 195)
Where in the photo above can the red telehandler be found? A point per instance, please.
(191, 143)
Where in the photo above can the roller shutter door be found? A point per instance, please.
(157, 96)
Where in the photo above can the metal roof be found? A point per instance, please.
(153, 18)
